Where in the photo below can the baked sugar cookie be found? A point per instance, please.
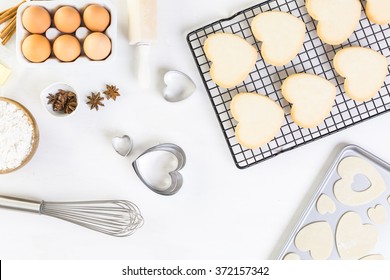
(282, 36)
(337, 19)
(259, 119)
(378, 11)
(312, 98)
(232, 58)
(364, 71)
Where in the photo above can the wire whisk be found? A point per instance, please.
(113, 217)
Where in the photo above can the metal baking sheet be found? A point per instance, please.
(311, 214)
(315, 58)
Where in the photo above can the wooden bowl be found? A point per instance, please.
(35, 138)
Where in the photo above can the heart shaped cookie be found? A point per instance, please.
(312, 98)
(337, 19)
(378, 11)
(378, 214)
(325, 205)
(282, 36)
(232, 58)
(348, 168)
(259, 119)
(353, 239)
(317, 238)
(364, 71)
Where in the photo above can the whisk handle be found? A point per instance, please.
(20, 204)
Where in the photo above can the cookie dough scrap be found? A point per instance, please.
(348, 168)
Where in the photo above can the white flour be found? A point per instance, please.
(16, 136)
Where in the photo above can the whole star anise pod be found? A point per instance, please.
(70, 106)
(111, 92)
(52, 98)
(95, 100)
(60, 103)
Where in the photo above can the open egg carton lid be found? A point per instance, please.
(52, 6)
(348, 216)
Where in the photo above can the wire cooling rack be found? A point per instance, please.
(316, 58)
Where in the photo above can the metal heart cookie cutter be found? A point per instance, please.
(122, 145)
(178, 87)
(168, 160)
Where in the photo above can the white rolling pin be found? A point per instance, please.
(142, 33)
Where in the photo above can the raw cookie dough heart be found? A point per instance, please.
(259, 119)
(282, 36)
(378, 214)
(232, 58)
(348, 168)
(353, 239)
(364, 71)
(378, 11)
(372, 258)
(291, 257)
(312, 98)
(337, 19)
(316, 238)
(325, 205)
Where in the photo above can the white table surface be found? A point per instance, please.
(220, 213)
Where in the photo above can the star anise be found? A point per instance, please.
(95, 100)
(52, 98)
(111, 92)
(70, 106)
(63, 101)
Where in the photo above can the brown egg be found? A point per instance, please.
(97, 46)
(96, 18)
(36, 48)
(67, 19)
(36, 19)
(66, 48)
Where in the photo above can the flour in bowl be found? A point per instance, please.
(16, 136)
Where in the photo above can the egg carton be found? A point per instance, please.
(52, 33)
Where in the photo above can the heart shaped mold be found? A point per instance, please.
(176, 179)
(178, 87)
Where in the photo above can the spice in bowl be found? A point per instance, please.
(19, 135)
(60, 100)
(63, 101)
